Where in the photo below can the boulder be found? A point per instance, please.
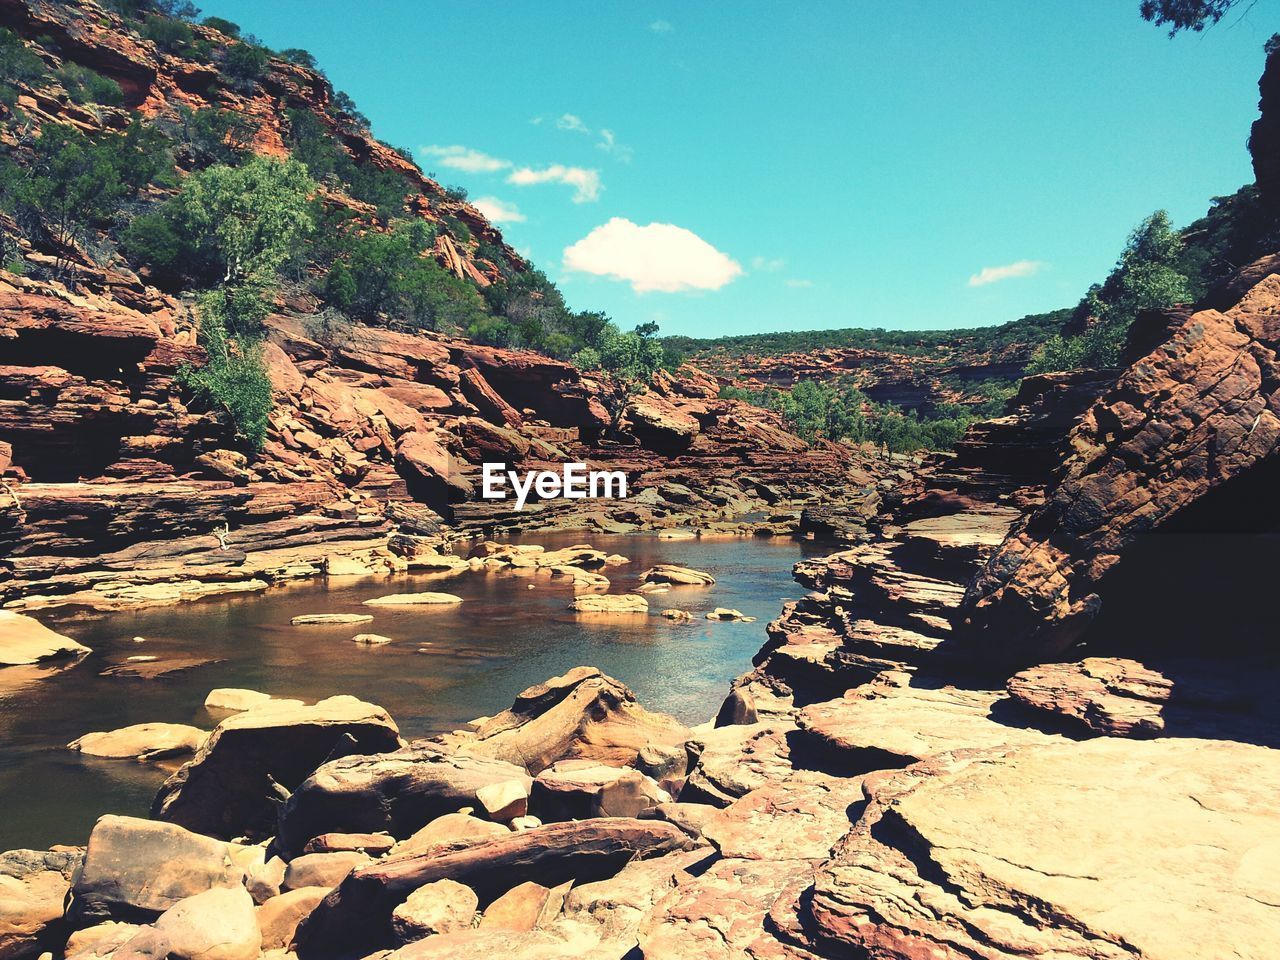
(659, 424)
(374, 844)
(214, 925)
(358, 914)
(322, 869)
(505, 801)
(582, 715)
(414, 599)
(730, 615)
(371, 639)
(678, 576)
(135, 869)
(800, 817)
(25, 640)
(526, 906)
(247, 766)
(141, 741)
(33, 891)
(1109, 848)
(429, 471)
(581, 789)
(398, 793)
(732, 761)
(619, 904)
(739, 707)
(234, 700)
(611, 603)
(265, 880)
(101, 940)
(452, 829)
(439, 907)
(278, 918)
(671, 613)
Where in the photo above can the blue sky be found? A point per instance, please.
(811, 165)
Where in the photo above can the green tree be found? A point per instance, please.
(1193, 15)
(245, 62)
(85, 86)
(18, 65)
(167, 33)
(225, 27)
(626, 363)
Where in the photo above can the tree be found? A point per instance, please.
(627, 363)
(245, 62)
(1193, 15)
(226, 27)
(85, 86)
(168, 34)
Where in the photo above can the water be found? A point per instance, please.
(503, 638)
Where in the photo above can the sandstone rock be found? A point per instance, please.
(673, 614)
(506, 800)
(611, 603)
(232, 785)
(732, 761)
(487, 944)
(739, 707)
(439, 907)
(141, 741)
(322, 869)
(414, 599)
(680, 576)
(374, 844)
(214, 925)
(526, 906)
(620, 903)
(33, 889)
(136, 869)
(357, 914)
(278, 918)
(1106, 849)
(800, 817)
(330, 619)
(581, 789)
(265, 880)
(452, 829)
(689, 817)
(582, 715)
(526, 822)
(430, 472)
(101, 940)
(398, 793)
(232, 699)
(25, 640)
(725, 613)
(371, 639)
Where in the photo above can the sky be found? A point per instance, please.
(758, 166)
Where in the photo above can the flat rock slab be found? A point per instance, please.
(1105, 849)
(358, 914)
(414, 599)
(141, 741)
(677, 576)
(801, 817)
(611, 603)
(734, 760)
(33, 891)
(330, 619)
(25, 640)
(894, 723)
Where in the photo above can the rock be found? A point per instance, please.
(525, 823)
(689, 817)
(374, 844)
(340, 566)
(452, 829)
(265, 880)
(232, 785)
(330, 619)
(619, 904)
(800, 817)
(322, 869)
(25, 640)
(582, 579)
(732, 761)
(582, 715)
(739, 707)
(357, 914)
(214, 925)
(611, 603)
(527, 906)
(677, 535)
(232, 699)
(725, 613)
(487, 944)
(680, 576)
(100, 940)
(581, 789)
(439, 907)
(136, 869)
(142, 741)
(429, 471)
(413, 599)
(673, 614)
(33, 890)
(506, 800)
(660, 424)
(1108, 848)
(398, 793)
(616, 560)
(278, 918)
(371, 639)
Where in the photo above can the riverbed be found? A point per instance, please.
(504, 637)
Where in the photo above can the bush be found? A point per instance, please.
(216, 136)
(168, 34)
(18, 64)
(85, 86)
(225, 27)
(245, 62)
(455, 192)
(313, 145)
(234, 381)
(301, 57)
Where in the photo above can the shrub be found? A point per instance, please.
(301, 57)
(216, 136)
(167, 33)
(225, 27)
(245, 62)
(86, 86)
(455, 192)
(18, 64)
(234, 381)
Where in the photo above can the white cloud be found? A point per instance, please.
(768, 264)
(799, 284)
(1022, 268)
(572, 122)
(662, 26)
(658, 257)
(498, 211)
(586, 183)
(459, 157)
(610, 145)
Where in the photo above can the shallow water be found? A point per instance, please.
(503, 638)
